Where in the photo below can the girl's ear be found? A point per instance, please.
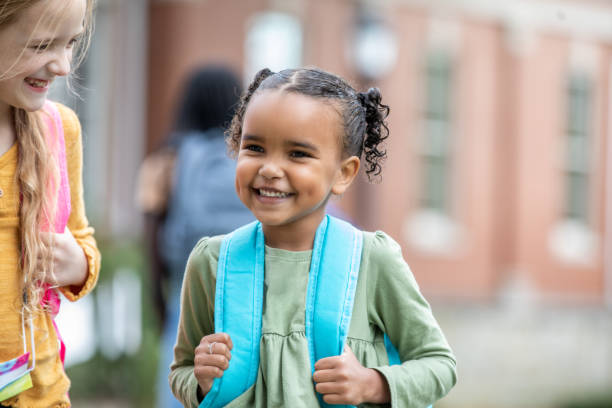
(346, 174)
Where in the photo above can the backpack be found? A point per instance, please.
(203, 201)
(239, 301)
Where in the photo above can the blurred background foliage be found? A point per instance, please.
(129, 379)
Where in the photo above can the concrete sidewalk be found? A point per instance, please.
(527, 356)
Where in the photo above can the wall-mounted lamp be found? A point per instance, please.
(373, 50)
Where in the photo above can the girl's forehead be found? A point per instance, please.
(293, 115)
(51, 18)
(292, 109)
(300, 104)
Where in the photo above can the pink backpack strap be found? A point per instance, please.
(57, 145)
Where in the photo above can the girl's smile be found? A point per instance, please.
(37, 85)
(289, 163)
(270, 195)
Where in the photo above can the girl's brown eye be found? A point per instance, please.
(254, 148)
(299, 154)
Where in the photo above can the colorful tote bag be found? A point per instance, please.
(15, 374)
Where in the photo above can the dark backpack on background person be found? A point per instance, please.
(203, 199)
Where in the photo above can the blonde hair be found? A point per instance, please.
(37, 169)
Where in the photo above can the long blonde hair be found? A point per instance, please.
(36, 169)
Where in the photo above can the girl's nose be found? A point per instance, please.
(270, 170)
(60, 64)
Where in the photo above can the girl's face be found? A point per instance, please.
(290, 160)
(36, 48)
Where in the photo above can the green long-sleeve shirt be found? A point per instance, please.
(387, 300)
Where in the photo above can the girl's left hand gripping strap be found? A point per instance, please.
(238, 311)
(334, 269)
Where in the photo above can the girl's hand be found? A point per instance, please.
(211, 359)
(69, 260)
(343, 380)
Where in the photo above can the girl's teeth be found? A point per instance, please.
(268, 193)
(37, 83)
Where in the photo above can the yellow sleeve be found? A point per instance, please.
(78, 223)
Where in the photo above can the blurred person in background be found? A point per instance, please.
(186, 190)
(46, 242)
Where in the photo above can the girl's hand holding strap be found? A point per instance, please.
(69, 261)
(343, 380)
(211, 359)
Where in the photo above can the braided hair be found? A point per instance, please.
(362, 113)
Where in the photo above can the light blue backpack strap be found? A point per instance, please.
(392, 353)
(334, 269)
(238, 311)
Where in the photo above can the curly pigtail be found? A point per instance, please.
(376, 130)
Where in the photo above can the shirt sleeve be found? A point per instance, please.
(196, 319)
(77, 222)
(398, 308)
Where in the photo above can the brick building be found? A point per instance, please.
(498, 183)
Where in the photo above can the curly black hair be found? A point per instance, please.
(363, 113)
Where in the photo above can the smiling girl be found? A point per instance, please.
(300, 309)
(46, 243)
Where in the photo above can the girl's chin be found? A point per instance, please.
(33, 105)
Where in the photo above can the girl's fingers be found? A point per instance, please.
(337, 393)
(220, 352)
(324, 376)
(211, 360)
(218, 338)
(335, 399)
(215, 344)
(328, 363)
(220, 349)
(206, 372)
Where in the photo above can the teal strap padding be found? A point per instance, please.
(334, 269)
(392, 353)
(238, 311)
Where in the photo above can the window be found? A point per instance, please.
(577, 160)
(274, 40)
(436, 143)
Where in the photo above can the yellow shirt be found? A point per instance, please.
(50, 382)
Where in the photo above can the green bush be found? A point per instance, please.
(592, 401)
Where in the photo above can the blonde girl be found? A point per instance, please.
(40, 182)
